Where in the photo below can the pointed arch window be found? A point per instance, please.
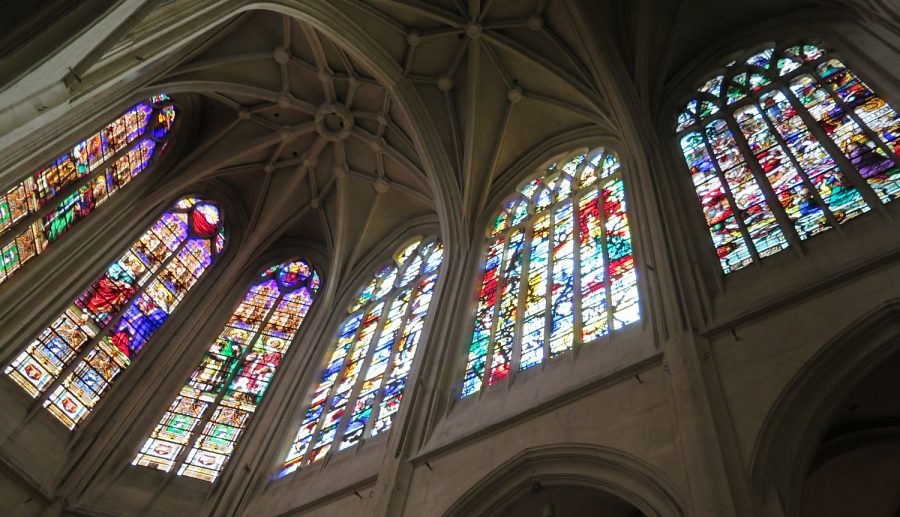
(362, 384)
(786, 144)
(39, 210)
(78, 356)
(214, 406)
(559, 269)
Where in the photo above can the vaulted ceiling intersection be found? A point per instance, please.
(499, 78)
(309, 140)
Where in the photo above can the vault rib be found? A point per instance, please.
(453, 116)
(379, 14)
(474, 9)
(495, 158)
(458, 57)
(502, 42)
(424, 9)
(598, 118)
(474, 76)
(443, 31)
(354, 253)
(370, 139)
(566, 51)
(485, 9)
(323, 69)
(260, 201)
(221, 61)
(497, 64)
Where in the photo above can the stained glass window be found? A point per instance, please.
(559, 269)
(79, 355)
(362, 383)
(37, 211)
(215, 405)
(783, 145)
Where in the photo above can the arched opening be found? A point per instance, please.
(566, 500)
(573, 479)
(832, 442)
(856, 467)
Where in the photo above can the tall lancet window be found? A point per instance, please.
(214, 406)
(559, 270)
(37, 211)
(361, 387)
(81, 352)
(784, 144)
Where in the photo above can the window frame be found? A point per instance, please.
(486, 240)
(329, 340)
(796, 245)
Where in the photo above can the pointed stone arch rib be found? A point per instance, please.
(582, 465)
(799, 418)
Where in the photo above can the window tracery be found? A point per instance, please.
(361, 386)
(78, 356)
(228, 385)
(39, 210)
(559, 269)
(784, 145)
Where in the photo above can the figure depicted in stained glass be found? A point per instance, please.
(559, 269)
(215, 405)
(138, 323)
(362, 383)
(78, 356)
(755, 158)
(39, 210)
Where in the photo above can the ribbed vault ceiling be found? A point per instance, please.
(499, 77)
(318, 119)
(318, 148)
(308, 139)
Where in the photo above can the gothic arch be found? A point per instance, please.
(534, 159)
(189, 339)
(845, 40)
(332, 22)
(100, 239)
(60, 190)
(582, 465)
(799, 418)
(823, 25)
(356, 275)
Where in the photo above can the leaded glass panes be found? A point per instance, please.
(362, 384)
(214, 406)
(81, 352)
(559, 269)
(37, 211)
(793, 145)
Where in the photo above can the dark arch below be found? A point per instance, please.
(799, 418)
(573, 465)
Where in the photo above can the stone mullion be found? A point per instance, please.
(787, 226)
(391, 297)
(840, 159)
(16, 228)
(548, 294)
(876, 139)
(331, 390)
(803, 175)
(577, 317)
(207, 416)
(93, 342)
(516, 347)
(334, 386)
(742, 226)
(604, 249)
(492, 333)
(407, 316)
